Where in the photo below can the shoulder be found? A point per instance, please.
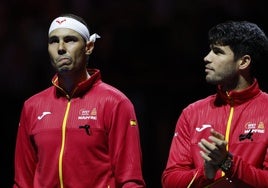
(40, 96)
(201, 103)
(109, 93)
(264, 94)
(110, 90)
(263, 97)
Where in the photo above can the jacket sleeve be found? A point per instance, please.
(25, 159)
(124, 146)
(180, 170)
(254, 176)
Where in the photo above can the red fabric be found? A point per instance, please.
(106, 154)
(250, 156)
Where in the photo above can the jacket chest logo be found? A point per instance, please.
(254, 127)
(43, 115)
(87, 114)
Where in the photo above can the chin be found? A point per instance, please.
(211, 81)
(63, 69)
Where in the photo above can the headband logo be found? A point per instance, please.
(60, 21)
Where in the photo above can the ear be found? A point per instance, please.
(89, 47)
(245, 62)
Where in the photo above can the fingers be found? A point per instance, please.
(217, 134)
(207, 155)
(213, 149)
(210, 149)
(221, 144)
(218, 139)
(206, 146)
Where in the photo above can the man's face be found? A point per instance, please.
(67, 50)
(221, 68)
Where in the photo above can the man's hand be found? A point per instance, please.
(213, 151)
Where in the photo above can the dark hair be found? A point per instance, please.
(242, 37)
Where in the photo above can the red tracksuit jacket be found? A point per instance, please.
(234, 115)
(90, 140)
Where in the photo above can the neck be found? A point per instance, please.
(241, 84)
(70, 82)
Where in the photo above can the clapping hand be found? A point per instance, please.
(213, 151)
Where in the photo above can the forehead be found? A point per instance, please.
(61, 32)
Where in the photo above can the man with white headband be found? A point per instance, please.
(80, 132)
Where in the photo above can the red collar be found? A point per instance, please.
(82, 87)
(237, 97)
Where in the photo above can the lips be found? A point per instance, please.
(207, 68)
(63, 60)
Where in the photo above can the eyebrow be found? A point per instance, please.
(213, 47)
(54, 37)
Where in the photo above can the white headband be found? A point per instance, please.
(70, 23)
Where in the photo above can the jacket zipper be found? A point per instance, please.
(228, 126)
(63, 143)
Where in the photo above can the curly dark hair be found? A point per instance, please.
(243, 38)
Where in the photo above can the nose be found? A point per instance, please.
(207, 58)
(61, 48)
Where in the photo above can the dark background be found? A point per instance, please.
(152, 50)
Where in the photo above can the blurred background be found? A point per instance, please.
(152, 50)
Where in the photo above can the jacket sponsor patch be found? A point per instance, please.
(254, 127)
(87, 114)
